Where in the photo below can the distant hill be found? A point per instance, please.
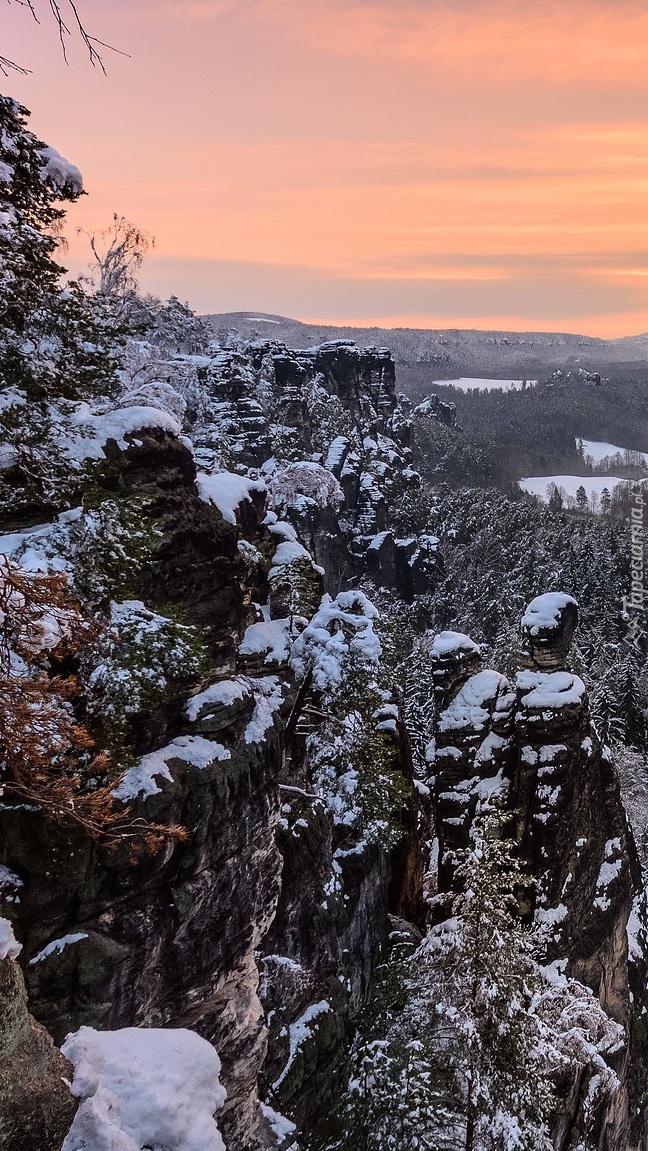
(426, 354)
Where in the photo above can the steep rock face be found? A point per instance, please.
(169, 943)
(319, 957)
(335, 405)
(173, 938)
(342, 873)
(536, 740)
(170, 940)
(320, 954)
(192, 555)
(36, 1107)
(472, 753)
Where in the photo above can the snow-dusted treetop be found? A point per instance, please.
(545, 611)
(342, 627)
(306, 481)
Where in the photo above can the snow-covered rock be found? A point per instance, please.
(549, 623)
(143, 1088)
(82, 434)
(10, 948)
(193, 750)
(227, 491)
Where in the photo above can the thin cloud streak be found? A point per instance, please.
(555, 42)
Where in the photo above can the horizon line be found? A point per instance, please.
(414, 323)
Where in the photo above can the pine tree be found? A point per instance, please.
(581, 499)
(53, 339)
(555, 498)
(488, 985)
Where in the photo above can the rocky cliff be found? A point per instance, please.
(35, 1103)
(240, 680)
(202, 584)
(531, 742)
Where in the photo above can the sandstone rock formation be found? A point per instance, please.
(174, 939)
(263, 930)
(532, 742)
(36, 1107)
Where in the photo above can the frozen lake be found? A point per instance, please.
(599, 449)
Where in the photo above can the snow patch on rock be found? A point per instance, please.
(10, 948)
(227, 490)
(544, 613)
(449, 641)
(554, 689)
(143, 1088)
(57, 946)
(271, 636)
(468, 708)
(191, 749)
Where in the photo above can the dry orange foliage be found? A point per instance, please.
(47, 757)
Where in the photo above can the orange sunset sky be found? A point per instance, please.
(426, 163)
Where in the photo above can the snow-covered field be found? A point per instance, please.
(599, 449)
(472, 383)
(538, 485)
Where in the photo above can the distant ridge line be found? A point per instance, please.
(432, 353)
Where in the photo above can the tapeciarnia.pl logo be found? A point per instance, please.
(634, 605)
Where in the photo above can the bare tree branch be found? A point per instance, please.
(66, 28)
(7, 66)
(118, 253)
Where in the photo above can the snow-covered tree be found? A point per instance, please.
(53, 340)
(118, 252)
(485, 954)
(472, 1044)
(302, 482)
(353, 751)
